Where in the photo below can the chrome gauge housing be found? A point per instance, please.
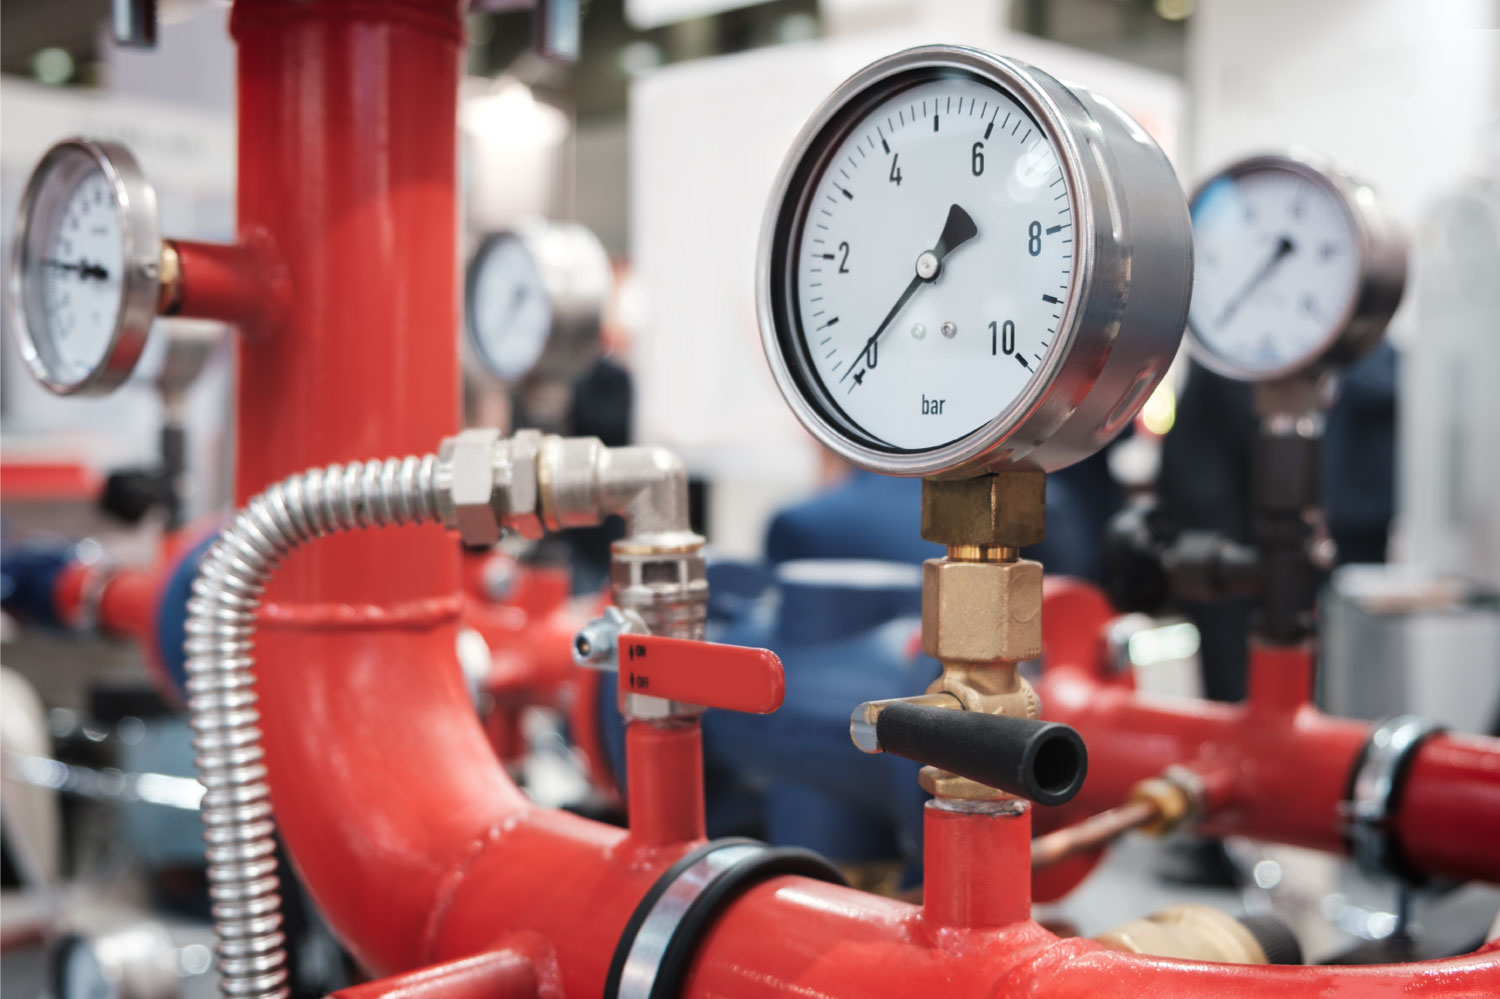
(1123, 295)
(1335, 285)
(81, 324)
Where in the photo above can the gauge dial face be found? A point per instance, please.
(932, 261)
(75, 249)
(510, 312)
(1277, 271)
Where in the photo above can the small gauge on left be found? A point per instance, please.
(85, 269)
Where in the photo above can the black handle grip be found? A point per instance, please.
(1041, 760)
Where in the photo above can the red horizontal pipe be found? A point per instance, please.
(24, 481)
(238, 284)
(1276, 767)
(126, 601)
(504, 974)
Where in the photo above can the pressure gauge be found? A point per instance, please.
(967, 265)
(1298, 269)
(535, 296)
(85, 268)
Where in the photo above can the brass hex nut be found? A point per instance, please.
(1006, 509)
(981, 611)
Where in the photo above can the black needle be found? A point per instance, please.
(957, 231)
(1284, 246)
(85, 269)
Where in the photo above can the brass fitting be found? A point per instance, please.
(981, 612)
(1172, 801)
(1007, 509)
(1189, 932)
(981, 606)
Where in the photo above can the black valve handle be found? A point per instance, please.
(1041, 760)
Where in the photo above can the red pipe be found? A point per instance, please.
(1276, 768)
(664, 782)
(347, 168)
(504, 974)
(237, 283)
(979, 869)
(126, 600)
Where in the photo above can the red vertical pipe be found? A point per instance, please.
(664, 782)
(347, 175)
(1279, 679)
(977, 862)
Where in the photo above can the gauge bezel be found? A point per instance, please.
(1085, 389)
(1380, 275)
(140, 228)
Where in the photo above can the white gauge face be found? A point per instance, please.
(74, 273)
(510, 313)
(934, 262)
(1277, 270)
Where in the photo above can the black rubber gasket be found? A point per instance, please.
(767, 863)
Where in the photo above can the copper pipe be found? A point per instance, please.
(1092, 833)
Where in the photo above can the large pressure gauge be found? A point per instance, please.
(85, 269)
(1298, 269)
(967, 265)
(534, 301)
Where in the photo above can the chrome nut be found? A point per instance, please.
(981, 611)
(469, 462)
(521, 510)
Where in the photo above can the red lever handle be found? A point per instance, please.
(715, 676)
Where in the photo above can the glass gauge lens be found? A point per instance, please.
(1277, 270)
(933, 261)
(510, 313)
(75, 249)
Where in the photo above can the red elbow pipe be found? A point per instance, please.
(1275, 767)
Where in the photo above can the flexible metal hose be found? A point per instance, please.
(236, 809)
